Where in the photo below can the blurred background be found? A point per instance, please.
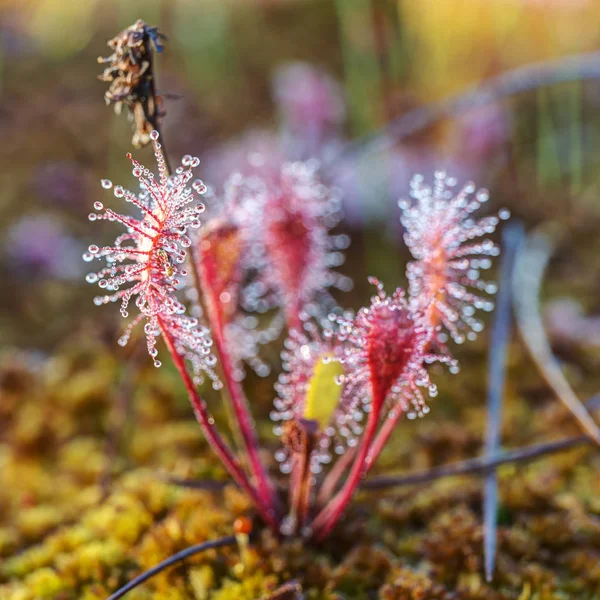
(86, 433)
(247, 84)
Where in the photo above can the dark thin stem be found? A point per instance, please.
(527, 281)
(153, 115)
(471, 466)
(209, 485)
(512, 237)
(529, 77)
(165, 564)
(478, 465)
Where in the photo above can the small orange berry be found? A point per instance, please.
(242, 525)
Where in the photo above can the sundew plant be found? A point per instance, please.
(209, 287)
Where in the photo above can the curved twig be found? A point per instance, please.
(578, 67)
(475, 465)
(165, 564)
(470, 466)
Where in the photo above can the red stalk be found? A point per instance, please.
(244, 419)
(330, 515)
(214, 439)
(209, 284)
(381, 439)
(330, 483)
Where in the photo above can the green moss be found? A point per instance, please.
(251, 587)
(45, 583)
(80, 517)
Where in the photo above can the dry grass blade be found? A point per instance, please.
(470, 466)
(511, 240)
(529, 271)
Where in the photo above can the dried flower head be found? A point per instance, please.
(439, 234)
(131, 77)
(148, 257)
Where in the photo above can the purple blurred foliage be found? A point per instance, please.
(312, 109)
(255, 151)
(567, 323)
(38, 246)
(371, 184)
(311, 105)
(62, 184)
(483, 132)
